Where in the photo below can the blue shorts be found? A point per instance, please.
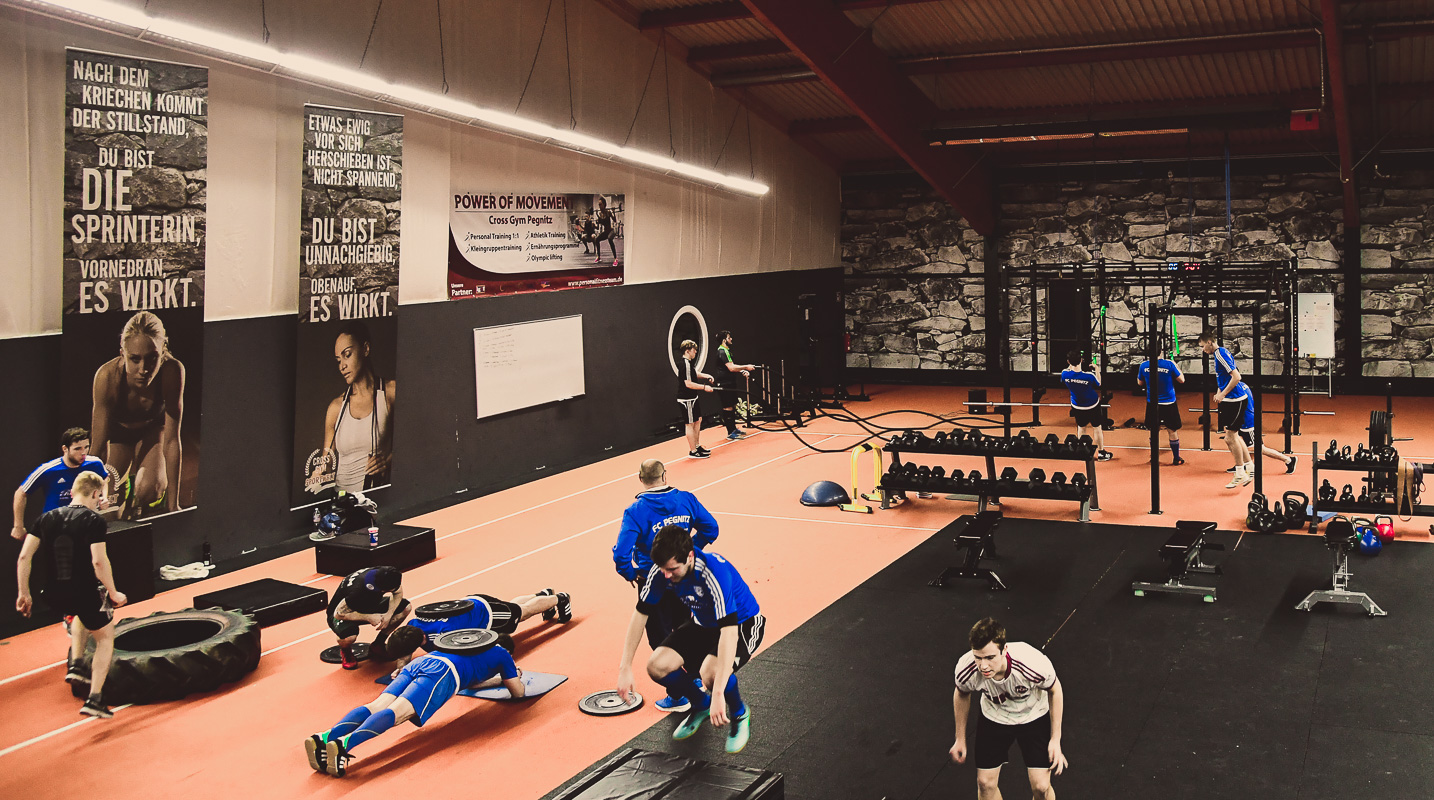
(426, 684)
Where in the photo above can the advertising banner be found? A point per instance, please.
(132, 349)
(534, 242)
(348, 302)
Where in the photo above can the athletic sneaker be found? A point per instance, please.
(317, 751)
(322, 536)
(698, 454)
(1104, 455)
(673, 704)
(95, 707)
(735, 435)
(690, 725)
(1290, 467)
(564, 607)
(336, 758)
(1231, 469)
(1177, 462)
(350, 661)
(704, 451)
(1241, 480)
(76, 676)
(739, 729)
(552, 612)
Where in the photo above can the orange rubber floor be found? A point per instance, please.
(247, 738)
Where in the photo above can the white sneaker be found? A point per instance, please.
(1238, 479)
(1241, 480)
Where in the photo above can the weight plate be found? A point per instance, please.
(607, 703)
(444, 610)
(464, 642)
(331, 655)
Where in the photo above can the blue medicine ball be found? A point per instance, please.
(825, 493)
(1369, 543)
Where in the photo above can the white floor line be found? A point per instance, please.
(31, 672)
(824, 521)
(631, 476)
(42, 737)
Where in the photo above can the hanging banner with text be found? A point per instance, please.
(132, 349)
(348, 302)
(534, 242)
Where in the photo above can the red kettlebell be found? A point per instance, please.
(1385, 526)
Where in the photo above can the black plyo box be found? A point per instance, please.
(267, 600)
(640, 773)
(401, 546)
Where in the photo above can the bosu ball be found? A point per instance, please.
(825, 493)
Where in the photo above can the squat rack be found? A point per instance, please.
(1215, 287)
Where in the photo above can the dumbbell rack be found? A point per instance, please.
(991, 489)
(1353, 508)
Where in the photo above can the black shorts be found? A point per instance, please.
(346, 627)
(993, 742)
(690, 411)
(93, 610)
(1166, 415)
(1232, 414)
(503, 616)
(694, 642)
(1088, 417)
(1249, 436)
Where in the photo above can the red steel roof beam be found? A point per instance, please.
(693, 15)
(1339, 102)
(847, 61)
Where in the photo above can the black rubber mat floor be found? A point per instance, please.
(1166, 696)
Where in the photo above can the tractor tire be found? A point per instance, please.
(168, 655)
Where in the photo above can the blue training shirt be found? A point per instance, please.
(477, 668)
(712, 590)
(651, 512)
(55, 478)
(1084, 386)
(1224, 365)
(1166, 372)
(480, 616)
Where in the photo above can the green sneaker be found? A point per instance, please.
(690, 725)
(739, 729)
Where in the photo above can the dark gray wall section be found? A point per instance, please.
(441, 450)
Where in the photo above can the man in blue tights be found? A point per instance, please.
(416, 693)
(724, 630)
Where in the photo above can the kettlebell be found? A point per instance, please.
(1332, 454)
(1361, 455)
(1369, 542)
(1385, 526)
(1347, 494)
(1275, 523)
(1363, 495)
(1296, 509)
(1326, 492)
(1255, 511)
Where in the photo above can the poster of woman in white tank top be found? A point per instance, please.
(345, 384)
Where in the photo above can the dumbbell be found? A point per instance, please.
(1078, 484)
(939, 440)
(1072, 442)
(1037, 479)
(923, 475)
(1023, 443)
(1009, 476)
(956, 479)
(975, 440)
(1347, 495)
(974, 480)
(1326, 492)
(1058, 482)
(956, 438)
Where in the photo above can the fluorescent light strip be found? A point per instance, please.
(116, 18)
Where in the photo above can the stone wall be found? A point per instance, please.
(915, 282)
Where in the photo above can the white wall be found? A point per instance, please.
(676, 229)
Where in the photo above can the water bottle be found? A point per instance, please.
(317, 517)
(373, 537)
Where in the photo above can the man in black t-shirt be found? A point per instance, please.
(71, 543)
(731, 376)
(688, 389)
(372, 596)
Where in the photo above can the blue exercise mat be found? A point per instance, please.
(535, 684)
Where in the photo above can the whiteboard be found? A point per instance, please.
(1316, 321)
(527, 364)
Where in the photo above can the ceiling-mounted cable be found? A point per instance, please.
(442, 59)
(731, 126)
(568, 55)
(264, 21)
(751, 158)
(371, 29)
(667, 90)
(537, 51)
(661, 40)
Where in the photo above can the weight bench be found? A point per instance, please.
(1183, 553)
(1339, 536)
(976, 537)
